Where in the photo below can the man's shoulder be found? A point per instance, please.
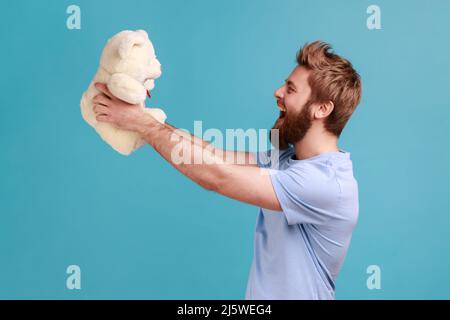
(326, 176)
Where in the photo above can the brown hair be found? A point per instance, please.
(332, 78)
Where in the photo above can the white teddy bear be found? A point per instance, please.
(128, 67)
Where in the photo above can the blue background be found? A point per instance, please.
(138, 228)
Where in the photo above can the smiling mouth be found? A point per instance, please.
(281, 106)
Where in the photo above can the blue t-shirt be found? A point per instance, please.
(298, 252)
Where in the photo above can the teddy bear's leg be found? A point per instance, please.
(86, 110)
(86, 101)
(124, 142)
(158, 114)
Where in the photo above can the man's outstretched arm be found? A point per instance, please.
(201, 163)
(229, 156)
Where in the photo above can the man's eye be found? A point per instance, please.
(289, 90)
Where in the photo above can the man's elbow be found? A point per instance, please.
(215, 182)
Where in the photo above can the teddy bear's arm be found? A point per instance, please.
(126, 88)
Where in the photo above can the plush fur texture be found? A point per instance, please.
(128, 67)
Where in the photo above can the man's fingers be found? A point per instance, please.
(101, 99)
(103, 89)
(100, 109)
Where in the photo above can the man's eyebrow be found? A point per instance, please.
(290, 83)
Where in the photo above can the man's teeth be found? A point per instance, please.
(282, 108)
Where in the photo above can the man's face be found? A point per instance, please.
(293, 101)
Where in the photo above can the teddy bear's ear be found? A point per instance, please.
(143, 33)
(127, 43)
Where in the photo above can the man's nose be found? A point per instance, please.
(279, 93)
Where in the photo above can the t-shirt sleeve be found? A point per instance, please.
(309, 196)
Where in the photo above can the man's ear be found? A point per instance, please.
(324, 109)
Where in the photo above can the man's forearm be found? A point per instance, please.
(192, 156)
(228, 156)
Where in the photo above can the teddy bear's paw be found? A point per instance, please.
(126, 88)
(149, 84)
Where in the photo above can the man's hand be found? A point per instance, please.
(123, 115)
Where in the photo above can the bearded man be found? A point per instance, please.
(308, 202)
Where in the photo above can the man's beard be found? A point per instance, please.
(292, 128)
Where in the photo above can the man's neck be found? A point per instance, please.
(315, 142)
